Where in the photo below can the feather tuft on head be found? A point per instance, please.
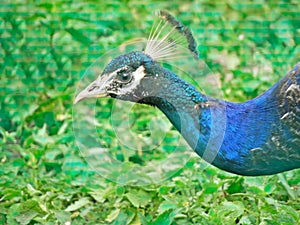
(166, 36)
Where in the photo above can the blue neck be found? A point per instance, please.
(236, 137)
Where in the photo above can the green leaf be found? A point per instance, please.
(78, 36)
(26, 217)
(120, 190)
(210, 188)
(63, 217)
(251, 85)
(164, 190)
(2, 219)
(236, 186)
(10, 193)
(77, 205)
(289, 190)
(138, 198)
(24, 212)
(113, 215)
(164, 219)
(121, 219)
(269, 188)
(98, 197)
(42, 136)
(231, 209)
(165, 206)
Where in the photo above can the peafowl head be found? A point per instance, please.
(138, 75)
(127, 77)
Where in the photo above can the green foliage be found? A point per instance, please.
(44, 50)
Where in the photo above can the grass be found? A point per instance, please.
(47, 177)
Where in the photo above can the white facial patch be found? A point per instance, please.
(137, 76)
(139, 73)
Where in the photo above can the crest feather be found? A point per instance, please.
(166, 36)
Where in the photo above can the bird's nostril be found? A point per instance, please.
(93, 87)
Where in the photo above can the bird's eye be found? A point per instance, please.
(124, 76)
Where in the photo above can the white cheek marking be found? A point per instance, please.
(137, 76)
(139, 73)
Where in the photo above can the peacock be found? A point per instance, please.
(258, 137)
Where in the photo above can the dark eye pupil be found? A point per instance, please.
(124, 77)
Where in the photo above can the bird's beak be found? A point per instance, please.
(94, 90)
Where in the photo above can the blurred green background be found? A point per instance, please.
(45, 48)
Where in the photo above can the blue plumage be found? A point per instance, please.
(257, 137)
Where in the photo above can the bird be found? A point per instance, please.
(260, 136)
